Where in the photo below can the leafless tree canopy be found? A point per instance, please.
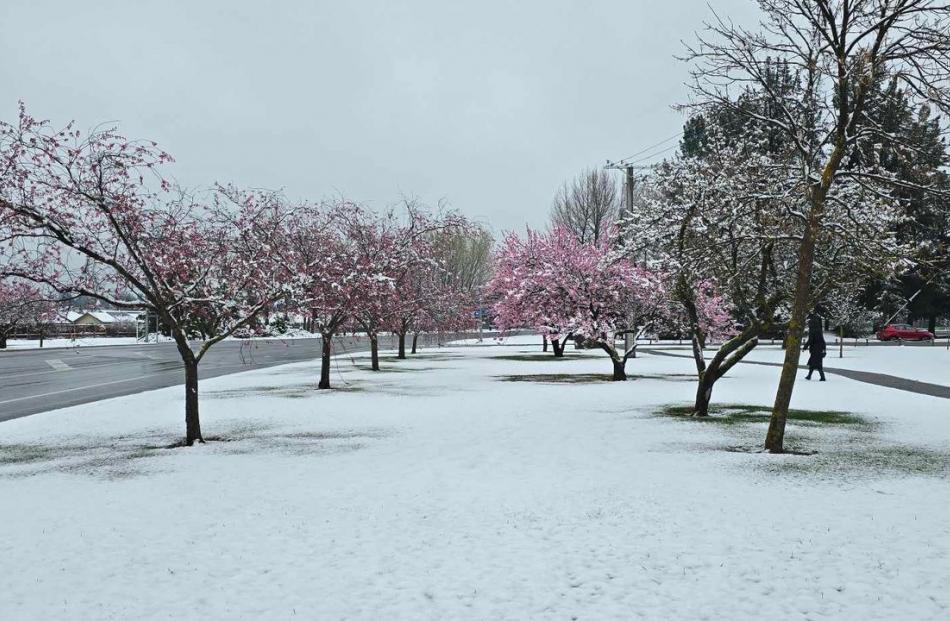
(468, 258)
(587, 205)
(838, 48)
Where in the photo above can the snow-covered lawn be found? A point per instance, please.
(926, 363)
(452, 486)
(488, 339)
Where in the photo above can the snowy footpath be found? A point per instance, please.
(480, 482)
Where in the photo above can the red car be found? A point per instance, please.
(903, 332)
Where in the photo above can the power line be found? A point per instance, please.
(651, 147)
(653, 155)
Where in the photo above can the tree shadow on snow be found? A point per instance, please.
(293, 391)
(590, 378)
(542, 357)
(132, 456)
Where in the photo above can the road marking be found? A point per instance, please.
(142, 354)
(58, 365)
(59, 392)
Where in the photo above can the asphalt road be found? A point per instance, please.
(37, 380)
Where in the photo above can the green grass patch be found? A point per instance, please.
(737, 414)
(422, 355)
(873, 460)
(538, 357)
(12, 454)
(295, 391)
(821, 444)
(387, 369)
(558, 378)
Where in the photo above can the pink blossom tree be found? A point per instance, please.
(359, 270)
(413, 297)
(327, 272)
(460, 251)
(524, 269)
(564, 287)
(91, 215)
(22, 306)
(426, 296)
(380, 254)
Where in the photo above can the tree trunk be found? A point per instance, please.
(704, 394)
(325, 362)
(415, 339)
(544, 344)
(774, 439)
(558, 347)
(620, 373)
(3, 341)
(374, 352)
(729, 355)
(402, 346)
(192, 422)
(932, 323)
(619, 363)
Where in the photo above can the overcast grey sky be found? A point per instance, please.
(490, 105)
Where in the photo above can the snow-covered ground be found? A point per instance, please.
(477, 483)
(927, 363)
(487, 339)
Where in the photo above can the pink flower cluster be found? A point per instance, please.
(554, 283)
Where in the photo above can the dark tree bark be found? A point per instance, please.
(620, 371)
(402, 346)
(3, 341)
(192, 420)
(325, 362)
(558, 346)
(703, 396)
(731, 353)
(374, 351)
(619, 362)
(774, 439)
(415, 340)
(932, 323)
(544, 345)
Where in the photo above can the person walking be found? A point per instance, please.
(815, 344)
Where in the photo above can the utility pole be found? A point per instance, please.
(629, 180)
(629, 186)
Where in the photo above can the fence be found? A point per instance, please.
(72, 331)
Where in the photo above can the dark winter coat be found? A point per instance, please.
(816, 348)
